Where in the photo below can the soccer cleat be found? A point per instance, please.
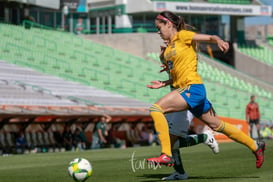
(211, 142)
(176, 176)
(163, 159)
(259, 154)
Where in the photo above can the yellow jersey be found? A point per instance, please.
(181, 58)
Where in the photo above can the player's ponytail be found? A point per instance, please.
(191, 28)
(180, 24)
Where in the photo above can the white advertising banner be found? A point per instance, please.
(214, 9)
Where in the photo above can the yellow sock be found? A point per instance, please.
(234, 133)
(162, 129)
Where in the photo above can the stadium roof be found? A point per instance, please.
(54, 4)
(36, 114)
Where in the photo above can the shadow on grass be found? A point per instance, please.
(157, 177)
(224, 177)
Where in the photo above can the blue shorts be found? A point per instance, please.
(195, 96)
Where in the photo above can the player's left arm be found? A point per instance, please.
(223, 46)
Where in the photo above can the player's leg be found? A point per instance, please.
(179, 173)
(211, 119)
(178, 123)
(211, 142)
(195, 139)
(257, 124)
(195, 97)
(95, 142)
(169, 103)
(251, 128)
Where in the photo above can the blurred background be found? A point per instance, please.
(64, 64)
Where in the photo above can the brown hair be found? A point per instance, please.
(177, 21)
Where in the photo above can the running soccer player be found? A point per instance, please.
(179, 124)
(190, 93)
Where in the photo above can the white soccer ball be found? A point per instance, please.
(80, 169)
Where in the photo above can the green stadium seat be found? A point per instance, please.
(230, 1)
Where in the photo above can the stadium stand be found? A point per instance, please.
(270, 41)
(88, 63)
(30, 85)
(23, 86)
(230, 1)
(64, 61)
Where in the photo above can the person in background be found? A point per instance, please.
(253, 116)
(79, 26)
(115, 138)
(68, 138)
(266, 132)
(79, 139)
(100, 133)
(21, 143)
(58, 138)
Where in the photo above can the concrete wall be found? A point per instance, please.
(138, 44)
(253, 67)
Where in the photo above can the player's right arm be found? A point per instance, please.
(159, 84)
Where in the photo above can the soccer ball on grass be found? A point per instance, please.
(80, 169)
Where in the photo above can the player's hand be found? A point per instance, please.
(164, 68)
(156, 84)
(223, 46)
(104, 141)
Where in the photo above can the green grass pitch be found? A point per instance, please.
(234, 163)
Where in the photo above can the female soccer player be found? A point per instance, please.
(179, 124)
(190, 93)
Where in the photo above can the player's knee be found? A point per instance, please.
(216, 126)
(155, 108)
(213, 123)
